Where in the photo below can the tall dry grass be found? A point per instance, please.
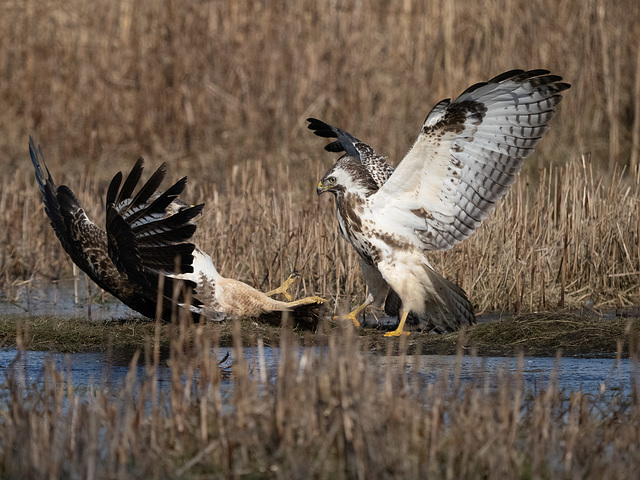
(563, 237)
(230, 81)
(331, 413)
(220, 90)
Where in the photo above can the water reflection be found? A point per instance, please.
(59, 298)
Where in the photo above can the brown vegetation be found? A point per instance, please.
(337, 412)
(220, 91)
(532, 334)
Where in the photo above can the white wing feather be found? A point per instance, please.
(465, 158)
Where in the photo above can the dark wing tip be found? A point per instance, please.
(335, 147)
(345, 141)
(114, 186)
(37, 159)
(539, 76)
(322, 129)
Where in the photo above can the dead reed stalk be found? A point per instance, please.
(316, 413)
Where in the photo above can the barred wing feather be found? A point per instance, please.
(466, 158)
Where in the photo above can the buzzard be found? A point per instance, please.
(464, 160)
(145, 245)
(379, 292)
(144, 242)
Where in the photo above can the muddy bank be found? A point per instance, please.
(542, 334)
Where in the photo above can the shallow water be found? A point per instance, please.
(41, 297)
(59, 298)
(593, 376)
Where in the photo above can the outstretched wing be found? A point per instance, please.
(149, 238)
(377, 166)
(466, 157)
(144, 240)
(85, 242)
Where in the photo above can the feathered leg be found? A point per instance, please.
(305, 301)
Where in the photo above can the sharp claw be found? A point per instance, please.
(395, 333)
(349, 316)
(283, 289)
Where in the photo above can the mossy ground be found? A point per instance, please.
(533, 334)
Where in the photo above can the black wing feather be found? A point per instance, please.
(346, 142)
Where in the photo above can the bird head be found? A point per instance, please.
(347, 175)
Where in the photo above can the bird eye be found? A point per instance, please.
(331, 179)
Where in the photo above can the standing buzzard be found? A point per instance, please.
(464, 160)
(379, 292)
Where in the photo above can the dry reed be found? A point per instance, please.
(220, 90)
(338, 412)
(563, 237)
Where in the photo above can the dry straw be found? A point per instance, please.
(220, 91)
(319, 413)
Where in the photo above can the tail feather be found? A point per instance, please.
(448, 310)
(458, 310)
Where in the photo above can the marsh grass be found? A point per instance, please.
(532, 334)
(221, 90)
(562, 238)
(333, 412)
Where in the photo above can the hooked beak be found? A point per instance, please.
(321, 188)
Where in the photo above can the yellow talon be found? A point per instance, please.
(283, 289)
(400, 330)
(395, 333)
(306, 301)
(351, 316)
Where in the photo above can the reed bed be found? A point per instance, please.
(564, 237)
(220, 91)
(338, 412)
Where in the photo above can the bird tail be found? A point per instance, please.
(446, 308)
(452, 309)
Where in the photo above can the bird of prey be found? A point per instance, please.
(143, 242)
(379, 292)
(464, 160)
(145, 245)
(87, 244)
